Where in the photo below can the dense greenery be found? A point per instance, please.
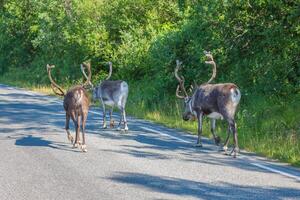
(256, 45)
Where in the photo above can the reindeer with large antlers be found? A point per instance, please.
(76, 104)
(216, 101)
(112, 93)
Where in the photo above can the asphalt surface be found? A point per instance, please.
(148, 162)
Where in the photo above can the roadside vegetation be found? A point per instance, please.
(255, 44)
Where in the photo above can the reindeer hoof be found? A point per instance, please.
(126, 128)
(70, 138)
(83, 148)
(224, 148)
(235, 154)
(217, 140)
(75, 145)
(198, 145)
(235, 151)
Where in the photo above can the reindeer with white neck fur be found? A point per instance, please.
(216, 101)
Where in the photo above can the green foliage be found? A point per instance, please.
(256, 45)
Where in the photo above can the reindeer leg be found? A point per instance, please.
(74, 118)
(78, 129)
(104, 114)
(125, 120)
(224, 148)
(235, 149)
(200, 121)
(228, 118)
(121, 117)
(212, 129)
(121, 106)
(70, 138)
(83, 146)
(111, 121)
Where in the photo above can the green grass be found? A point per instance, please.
(267, 126)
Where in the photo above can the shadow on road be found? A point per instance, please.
(202, 190)
(33, 141)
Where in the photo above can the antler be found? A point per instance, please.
(88, 78)
(110, 70)
(180, 80)
(53, 84)
(211, 62)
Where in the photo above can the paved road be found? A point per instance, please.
(149, 162)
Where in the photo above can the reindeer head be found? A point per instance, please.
(95, 90)
(96, 93)
(188, 113)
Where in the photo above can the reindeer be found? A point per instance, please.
(76, 104)
(111, 93)
(216, 101)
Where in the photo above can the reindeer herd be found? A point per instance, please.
(216, 101)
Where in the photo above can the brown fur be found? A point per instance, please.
(76, 104)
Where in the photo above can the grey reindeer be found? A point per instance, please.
(111, 93)
(216, 101)
(76, 104)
